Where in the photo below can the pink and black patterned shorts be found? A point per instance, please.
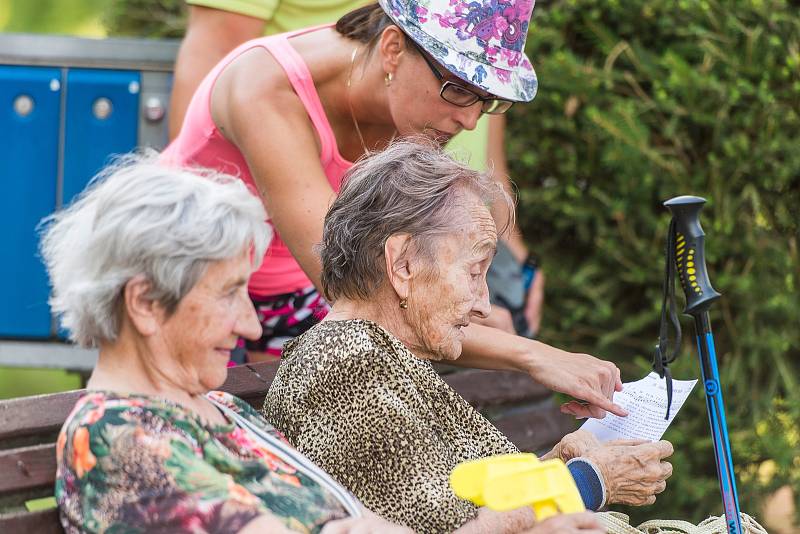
(286, 316)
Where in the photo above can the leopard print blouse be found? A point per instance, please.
(357, 402)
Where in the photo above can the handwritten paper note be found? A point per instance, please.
(646, 403)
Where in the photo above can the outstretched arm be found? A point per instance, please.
(580, 375)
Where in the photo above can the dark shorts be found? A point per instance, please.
(286, 316)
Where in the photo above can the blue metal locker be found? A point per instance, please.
(29, 131)
(102, 119)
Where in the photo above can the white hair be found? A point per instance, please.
(141, 218)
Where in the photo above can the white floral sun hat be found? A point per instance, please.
(480, 41)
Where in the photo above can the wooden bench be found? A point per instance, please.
(521, 408)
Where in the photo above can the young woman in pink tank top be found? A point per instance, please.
(288, 114)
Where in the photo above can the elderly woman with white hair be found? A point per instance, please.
(151, 265)
(405, 251)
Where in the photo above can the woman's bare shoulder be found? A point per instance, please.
(254, 90)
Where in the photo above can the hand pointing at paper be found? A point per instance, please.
(632, 471)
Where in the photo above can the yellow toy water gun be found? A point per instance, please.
(512, 481)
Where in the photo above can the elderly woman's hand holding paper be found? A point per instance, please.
(632, 469)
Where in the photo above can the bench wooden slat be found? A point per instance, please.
(41, 522)
(44, 414)
(39, 414)
(490, 388)
(27, 467)
(251, 380)
(479, 387)
(532, 428)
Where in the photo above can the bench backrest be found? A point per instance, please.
(519, 407)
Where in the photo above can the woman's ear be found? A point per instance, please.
(398, 269)
(391, 47)
(143, 312)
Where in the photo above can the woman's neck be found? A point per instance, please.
(125, 368)
(383, 312)
(328, 57)
(131, 366)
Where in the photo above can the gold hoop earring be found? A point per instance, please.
(388, 79)
(403, 304)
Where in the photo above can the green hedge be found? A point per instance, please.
(146, 18)
(640, 101)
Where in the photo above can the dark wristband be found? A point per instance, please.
(589, 482)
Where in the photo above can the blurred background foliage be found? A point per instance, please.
(77, 17)
(95, 18)
(640, 101)
(146, 18)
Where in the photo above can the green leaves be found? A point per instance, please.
(51, 16)
(146, 18)
(641, 101)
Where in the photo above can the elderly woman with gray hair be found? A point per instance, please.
(405, 251)
(151, 265)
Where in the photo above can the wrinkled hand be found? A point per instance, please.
(633, 470)
(574, 444)
(499, 317)
(535, 302)
(369, 524)
(581, 523)
(581, 376)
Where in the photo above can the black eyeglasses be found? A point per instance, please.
(458, 95)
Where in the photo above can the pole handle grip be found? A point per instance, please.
(689, 253)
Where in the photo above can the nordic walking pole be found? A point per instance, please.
(689, 256)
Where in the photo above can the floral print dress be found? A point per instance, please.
(134, 463)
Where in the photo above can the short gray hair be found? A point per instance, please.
(139, 217)
(411, 187)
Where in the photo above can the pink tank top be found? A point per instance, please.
(201, 144)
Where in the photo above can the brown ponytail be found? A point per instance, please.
(364, 24)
